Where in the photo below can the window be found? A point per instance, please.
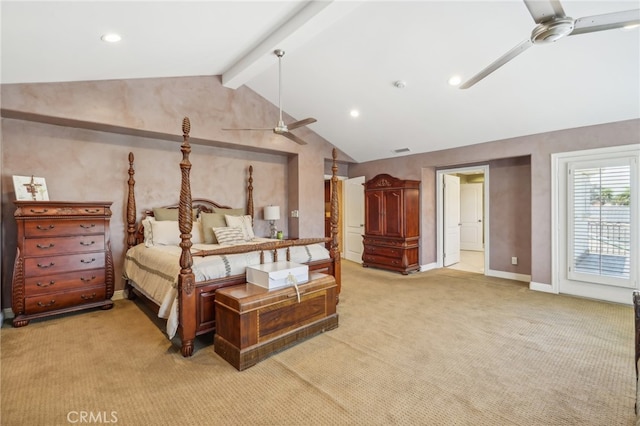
(600, 221)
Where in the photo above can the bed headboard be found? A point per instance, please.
(135, 230)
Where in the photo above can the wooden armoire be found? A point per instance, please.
(392, 224)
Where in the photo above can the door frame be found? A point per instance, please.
(559, 163)
(440, 211)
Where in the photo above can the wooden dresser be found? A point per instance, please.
(392, 224)
(63, 259)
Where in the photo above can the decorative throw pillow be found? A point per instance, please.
(165, 233)
(230, 212)
(228, 235)
(210, 221)
(242, 222)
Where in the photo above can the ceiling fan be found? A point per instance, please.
(281, 128)
(552, 25)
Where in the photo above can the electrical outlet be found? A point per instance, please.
(514, 260)
(295, 213)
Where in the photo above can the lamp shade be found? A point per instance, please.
(272, 213)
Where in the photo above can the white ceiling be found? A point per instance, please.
(347, 54)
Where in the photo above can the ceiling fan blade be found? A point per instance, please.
(301, 123)
(497, 64)
(542, 11)
(607, 21)
(254, 128)
(293, 137)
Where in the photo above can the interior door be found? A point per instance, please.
(354, 218)
(451, 220)
(471, 226)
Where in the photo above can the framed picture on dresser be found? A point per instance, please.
(30, 188)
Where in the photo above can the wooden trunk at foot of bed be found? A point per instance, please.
(196, 308)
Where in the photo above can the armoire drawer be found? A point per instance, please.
(383, 242)
(391, 252)
(381, 260)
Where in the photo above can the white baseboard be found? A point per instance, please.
(428, 267)
(7, 313)
(118, 295)
(546, 288)
(508, 275)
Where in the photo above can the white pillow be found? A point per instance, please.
(148, 234)
(242, 222)
(197, 233)
(165, 233)
(229, 235)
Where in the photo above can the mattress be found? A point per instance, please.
(154, 270)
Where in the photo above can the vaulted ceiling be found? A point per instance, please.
(346, 55)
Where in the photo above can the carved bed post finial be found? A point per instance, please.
(250, 194)
(131, 205)
(186, 279)
(334, 249)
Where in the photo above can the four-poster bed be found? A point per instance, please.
(202, 268)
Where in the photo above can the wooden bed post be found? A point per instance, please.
(131, 219)
(250, 195)
(186, 279)
(334, 249)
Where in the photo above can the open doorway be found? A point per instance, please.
(462, 218)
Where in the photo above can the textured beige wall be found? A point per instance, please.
(539, 148)
(78, 135)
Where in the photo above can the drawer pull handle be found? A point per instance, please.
(45, 266)
(93, 277)
(92, 210)
(39, 211)
(40, 246)
(44, 305)
(93, 259)
(49, 284)
(82, 225)
(82, 243)
(88, 297)
(45, 228)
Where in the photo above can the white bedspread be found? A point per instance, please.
(154, 270)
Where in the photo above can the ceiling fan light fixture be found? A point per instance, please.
(550, 31)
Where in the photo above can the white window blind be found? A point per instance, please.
(600, 223)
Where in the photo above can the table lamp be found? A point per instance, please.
(272, 213)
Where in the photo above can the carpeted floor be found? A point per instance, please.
(443, 347)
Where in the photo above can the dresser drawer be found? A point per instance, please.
(57, 245)
(48, 228)
(49, 302)
(381, 260)
(51, 210)
(34, 286)
(395, 253)
(38, 266)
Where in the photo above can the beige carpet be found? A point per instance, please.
(438, 348)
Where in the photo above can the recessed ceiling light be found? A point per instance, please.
(354, 113)
(111, 38)
(455, 80)
(400, 84)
